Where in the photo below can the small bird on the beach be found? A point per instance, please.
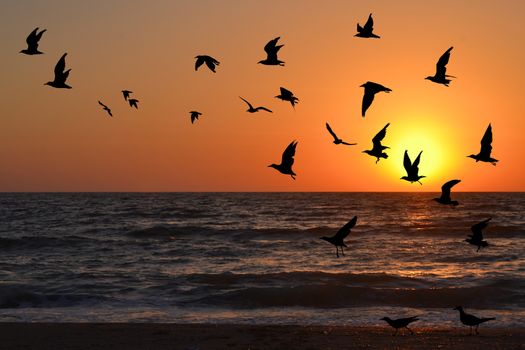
(287, 160)
(194, 115)
(106, 108)
(133, 102)
(338, 238)
(445, 193)
(476, 238)
(60, 75)
(210, 62)
(287, 95)
(471, 320)
(371, 89)
(412, 168)
(126, 94)
(271, 49)
(367, 29)
(337, 140)
(253, 110)
(378, 148)
(401, 323)
(32, 42)
(486, 148)
(440, 77)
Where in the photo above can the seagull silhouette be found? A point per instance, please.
(337, 140)
(133, 102)
(287, 160)
(253, 110)
(106, 108)
(338, 238)
(476, 238)
(370, 90)
(471, 320)
(32, 42)
(440, 77)
(126, 94)
(271, 50)
(194, 115)
(400, 322)
(60, 75)
(378, 148)
(412, 169)
(445, 193)
(486, 148)
(287, 95)
(366, 30)
(210, 62)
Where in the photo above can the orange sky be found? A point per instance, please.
(61, 140)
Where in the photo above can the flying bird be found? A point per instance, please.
(106, 108)
(486, 148)
(126, 94)
(412, 169)
(367, 29)
(194, 115)
(60, 75)
(32, 42)
(471, 320)
(445, 193)
(440, 77)
(287, 161)
(271, 50)
(210, 62)
(371, 89)
(337, 140)
(133, 102)
(287, 95)
(378, 148)
(401, 322)
(476, 238)
(338, 238)
(253, 110)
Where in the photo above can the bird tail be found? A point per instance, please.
(487, 319)
(450, 76)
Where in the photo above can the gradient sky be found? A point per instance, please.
(61, 140)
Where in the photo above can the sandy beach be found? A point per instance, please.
(207, 336)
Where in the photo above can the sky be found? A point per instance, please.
(61, 140)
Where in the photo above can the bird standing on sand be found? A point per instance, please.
(486, 148)
(253, 110)
(60, 75)
(287, 95)
(287, 160)
(371, 89)
(337, 140)
(445, 193)
(378, 148)
(471, 320)
(32, 42)
(194, 115)
(133, 102)
(271, 49)
(210, 62)
(367, 29)
(106, 108)
(338, 238)
(476, 238)
(440, 77)
(412, 168)
(401, 323)
(126, 94)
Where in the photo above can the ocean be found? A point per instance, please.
(256, 258)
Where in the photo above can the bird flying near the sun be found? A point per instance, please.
(337, 140)
(440, 77)
(471, 320)
(126, 94)
(194, 115)
(445, 193)
(32, 42)
(486, 148)
(338, 238)
(60, 75)
(401, 322)
(412, 168)
(371, 89)
(377, 147)
(271, 49)
(367, 29)
(253, 110)
(476, 238)
(106, 108)
(287, 95)
(133, 102)
(287, 160)
(210, 62)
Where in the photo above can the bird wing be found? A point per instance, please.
(348, 144)
(38, 36)
(486, 142)
(331, 131)
(31, 38)
(368, 97)
(477, 229)
(271, 47)
(264, 109)
(345, 230)
(61, 65)
(442, 62)
(286, 93)
(288, 154)
(407, 164)
(199, 62)
(248, 103)
(211, 64)
(380, 136)
(369, 25)
(103, 105)
(415, 168)
(445, 189)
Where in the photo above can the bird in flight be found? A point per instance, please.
(367, 29)
(486, 148)
(370, 90)
(378, 148)
(210, 62)
(60, 75)
(32, 42)
(126, 94)
(401, 322)
(476, 238)
(440, 77)
(287, 161)
(194, 115)
(337, 140)
(445, 193)
(271, 50)
(287, 95)
(253, 110)
(412, 169)
(133, 102)
(338, 238)
(106, 108)
(471, 320)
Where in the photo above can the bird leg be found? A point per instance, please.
(409, 330)
(419, 182)
(477, 329)
(395, 333)
(336, 251)
(343, 251)
(293, 177)
(479, 247)
(377, 160)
